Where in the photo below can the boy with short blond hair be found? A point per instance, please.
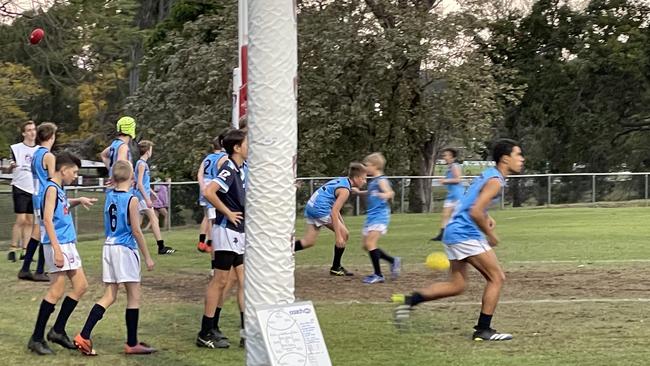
(121, 262)
(379, 194)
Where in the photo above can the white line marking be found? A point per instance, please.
(502, 302)
(543, 261)
(587, 261)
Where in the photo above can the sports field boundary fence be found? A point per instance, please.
(529, 190)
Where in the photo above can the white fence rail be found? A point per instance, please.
(530, 190)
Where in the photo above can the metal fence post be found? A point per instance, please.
(76, 216)
(593, 189)
(548, 193)
(169, 208)
(311, 187)
(503, 198)
(356, 206)
(401, 204)
(646, 190)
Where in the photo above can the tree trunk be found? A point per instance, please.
(419, 194)
(134, 72)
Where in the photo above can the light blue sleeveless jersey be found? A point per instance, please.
(321, 202)
(40, 176)
(378, 211)
(112, 154)
(462, 227)
(62, 218)
(117, 226)
(146, 180)
(454, 191)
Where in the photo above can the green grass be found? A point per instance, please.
(594, 333)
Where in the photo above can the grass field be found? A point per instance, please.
(577, 294)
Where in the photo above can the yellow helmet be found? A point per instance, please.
(126, 125)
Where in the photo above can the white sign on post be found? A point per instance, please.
(292, 335)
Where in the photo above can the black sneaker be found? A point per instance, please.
(210, 341)
(217, 334)
(166, 250)
(22, 255)
(61, 339)
(242, 339)
(11, 256)
(40, 348)
(40, 277)
(340, 272)
(25, 275)
(437, 238)
(490, 334)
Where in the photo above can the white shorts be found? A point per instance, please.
(320, 221)
(142, 206)
(210, 212)
(224, 239)
(468, 248)
(120, 264)
(382, 228)
(71, 259)
(450, 203)
(203, 202)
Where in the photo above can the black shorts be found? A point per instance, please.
(225, 260)
(22, 201)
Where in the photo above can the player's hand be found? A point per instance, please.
(355, 190)
(493, 240)
(491, 223)
(235, 217)
(87, 202)
(58, 258)
(149, 203)
(150, 263)
(108, 182)
(12, 165)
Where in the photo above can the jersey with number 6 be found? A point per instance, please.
(117, 225)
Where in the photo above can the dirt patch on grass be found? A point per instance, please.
(315, 283)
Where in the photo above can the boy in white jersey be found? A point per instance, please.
(468, 239)
(22, 188)
(143, 192)
(43, 168)
(324, 209)
(379, 194)
(121, 262)
(61, 256)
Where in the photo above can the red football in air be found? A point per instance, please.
(36, 36)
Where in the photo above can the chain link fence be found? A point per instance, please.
(579, 189)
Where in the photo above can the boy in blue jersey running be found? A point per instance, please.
(469, 238)
(227, 193)
(120, 262)
(324, 209)
(207, 172)
(119, 148)
(143, 193)
(61, 256)
(379, 194)
(43, 168)
(455, 189)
